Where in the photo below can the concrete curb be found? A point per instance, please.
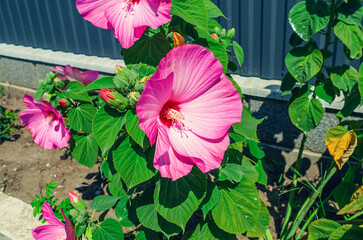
(16, 221)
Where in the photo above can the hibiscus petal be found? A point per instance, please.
(167, 161)
(156, 93)
(31, 103)
(195, 71)
(122, 23)
(72, 74)
(211, 114)
(88, 77)
(49, 215)
(209, 152)
(60, 71)
(152, 13)
(93, 11)
(70, 230)
(47, 232)
(58, 134)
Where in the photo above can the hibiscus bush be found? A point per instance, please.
(168, 129)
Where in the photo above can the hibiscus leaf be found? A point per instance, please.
(237, 209)
(131, 163)
(352, 37)
(86, 150)
(109, 229)
(209, 230)
(261, 224)
(106, 125)
(213, 10)
(133, 129)
(75, 91)
(210, 199)
(192, 11)
(322, 228)
(247, 127)
(176, 201)
(125, 211)
(103, 203)
(148, 50)
(105, 82)
(80, 117)
(149, 217)
(343, 77)
(231, 169)
(347, 232)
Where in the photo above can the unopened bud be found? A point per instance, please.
(231, 33)
(139, 86)
(118, 102)
(80, 219)
(133, 99)
(74, 213)
(121, 82)
(62, 102)
(118, 68)
(73, 197)
(178, 39)
(59, 83)
(223, 33)
(105, 94)
(214, 36)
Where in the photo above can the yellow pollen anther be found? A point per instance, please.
(174, 116)
(50, 117)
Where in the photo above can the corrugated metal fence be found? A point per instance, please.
(261, 27)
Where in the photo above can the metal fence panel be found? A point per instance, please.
(262, 28)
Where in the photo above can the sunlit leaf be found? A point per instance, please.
(261, 224)
(351, 12)
(347, 232)
(110, 229)
(352, 37)
(341, 144)
(343, 77)
(80, 117)
(321, 229)
(360, 83)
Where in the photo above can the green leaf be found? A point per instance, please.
(238, 51)
(149, 217)
(347, 232)
(309, 17)
(237, 209)
(321, 229)
(103, 203)
(210, 199)
(351, 36)
(354, 206)
(306, 113)
(109, 229)
(360, 83)
(261, 224)
(75, 91)
(343, 192)
(148, 50)
(288, 82)
(248, 170)
(115, 186)
(255, 149)
(80, 117)
(126, 213)
(104, 82)
(86, 150)
(232, 170)
(351, 12)
(351, 102)
(106, 125)
(262, 174)
(344, 77)
(212, 9)
(176, 201)
(219, 51)
(303, 63)
(132, 164)
(192, 11)
(133, 129)
(325, 91)
(39, 93)
(247, 127)
(209, 230)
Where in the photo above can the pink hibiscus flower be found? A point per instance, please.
(45, 123)
(73, 74)
(128, 18)
(55, 229)
(189, 105)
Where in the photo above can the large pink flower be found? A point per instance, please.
(45, 122)
(189, 105)
(128, 18)
(73, 74)
(55, 229)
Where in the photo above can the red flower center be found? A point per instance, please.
(171, 116)
(50, 117)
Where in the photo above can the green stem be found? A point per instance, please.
(294, 184)
(355, 216)
(292, 230)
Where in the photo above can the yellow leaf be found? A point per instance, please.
(357, 194)
(341, 144)
(178, 39)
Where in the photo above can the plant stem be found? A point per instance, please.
(355, 216)
(298, 220)
(294, 184)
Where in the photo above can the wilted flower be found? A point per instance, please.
(178, 39)
(189, 105)
(73, 74)
(128, 18)
(55, 229)
(45, 123)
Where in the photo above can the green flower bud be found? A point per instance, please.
(114, 99)
(121, 83)
(59, 83)
(80, 219)
(139, 87)
(83, 212)
(133, 99)
(74, 213)
(231, 33)
(223, 33)
(217, 30)
(49, 78)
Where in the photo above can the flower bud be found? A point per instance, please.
(74, 213)
(133, 99)
(217, 30)
(62, 102)
(80, 219)
(231, 33)
(214, 36)
(121, 82)
(139, 87)
(223, 33)
(105, 94)
(118, 69)
(178, 39)
(59, 83)
(73, 197)
(119, 102)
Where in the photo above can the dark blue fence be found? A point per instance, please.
(262, 28)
